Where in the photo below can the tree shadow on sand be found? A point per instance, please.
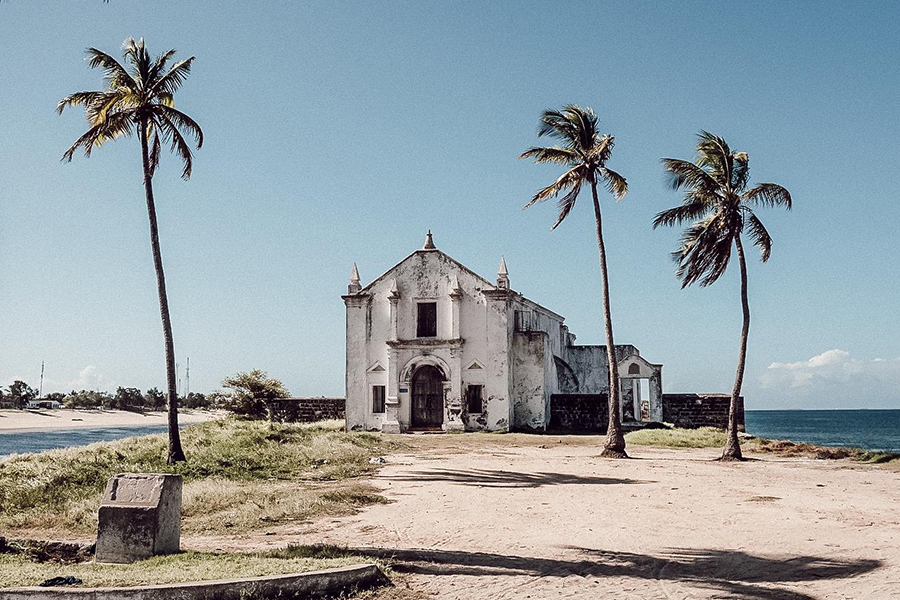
(732, 574)
(508, 479)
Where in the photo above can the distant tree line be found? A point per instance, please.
(19, 394)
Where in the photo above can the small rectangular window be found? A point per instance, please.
(426, 323)
(377, 398)
(474, 399)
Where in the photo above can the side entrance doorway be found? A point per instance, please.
(427, 398)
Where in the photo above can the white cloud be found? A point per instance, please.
(90, 379)
(835, 373)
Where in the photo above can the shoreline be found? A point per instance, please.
(61, 419)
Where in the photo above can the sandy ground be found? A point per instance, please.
(477, 517)
(45, 419)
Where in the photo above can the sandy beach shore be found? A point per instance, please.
(15, 421)
(471, 518)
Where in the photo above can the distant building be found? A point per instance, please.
(433, 345)
(38, 404)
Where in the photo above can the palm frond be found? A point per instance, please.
(760, 236)
(155, 151)
(768, 194)
(552, 154)
(181, 121)
(555, 124)
(78, 99)
(159, 66)
(683, 173)
(690, 211)
(705, 251)
(714, 155)
(600, 152)
(740, 173)
(565, 205)
(113, 72)
(615, 183)
(585, 122)
(117, 125)
(173, 79)
(178, 144)
(573, 177)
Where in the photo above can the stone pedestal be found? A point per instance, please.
(140, 517)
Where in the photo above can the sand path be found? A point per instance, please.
(551, 520)
(21, 421)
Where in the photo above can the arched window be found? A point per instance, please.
(634, 369)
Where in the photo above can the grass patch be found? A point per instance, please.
(788, 448)
(704, 437)
(18, 570)
(240, 475)
(710, 437)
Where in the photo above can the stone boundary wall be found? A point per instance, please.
(308, 410)
(315, 584)
(578, 413)
(691, 411)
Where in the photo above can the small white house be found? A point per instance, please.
(433, 345)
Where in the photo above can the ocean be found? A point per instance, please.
(36, 441)
(868, 429)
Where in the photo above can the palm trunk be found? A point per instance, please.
(615, 439)
(176, 454)
(732, 449)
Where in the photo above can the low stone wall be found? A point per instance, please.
(316, 584)
(308, 410)
(578, 413)
(691, 411)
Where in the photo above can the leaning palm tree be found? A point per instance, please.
(140, 100)
(719, 207)
(585, 151)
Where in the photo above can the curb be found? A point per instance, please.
(301, 585)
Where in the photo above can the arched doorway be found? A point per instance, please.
(427, 397)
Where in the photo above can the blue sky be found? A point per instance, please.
(340, 132)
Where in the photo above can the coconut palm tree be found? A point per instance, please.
(139, 100)
(585, 151)
(719, 208)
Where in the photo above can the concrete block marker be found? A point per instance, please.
(140, 517)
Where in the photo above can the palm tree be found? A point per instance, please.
(140, 100)
(584, 151)
(718, 206)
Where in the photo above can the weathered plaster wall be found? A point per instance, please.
(591, 366)
(530, 392)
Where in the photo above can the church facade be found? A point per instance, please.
(431, 345)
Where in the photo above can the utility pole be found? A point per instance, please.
(187, 377)
(41, 388)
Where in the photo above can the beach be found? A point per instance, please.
(21, 421)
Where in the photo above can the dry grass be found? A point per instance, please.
(17, 570)
(241, 475)
(705, 437)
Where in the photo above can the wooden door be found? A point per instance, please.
(427, 397)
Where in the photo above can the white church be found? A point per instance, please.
(431, 345)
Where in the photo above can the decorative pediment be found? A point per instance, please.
(377, 368)
(474, 365)
(636, 366)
